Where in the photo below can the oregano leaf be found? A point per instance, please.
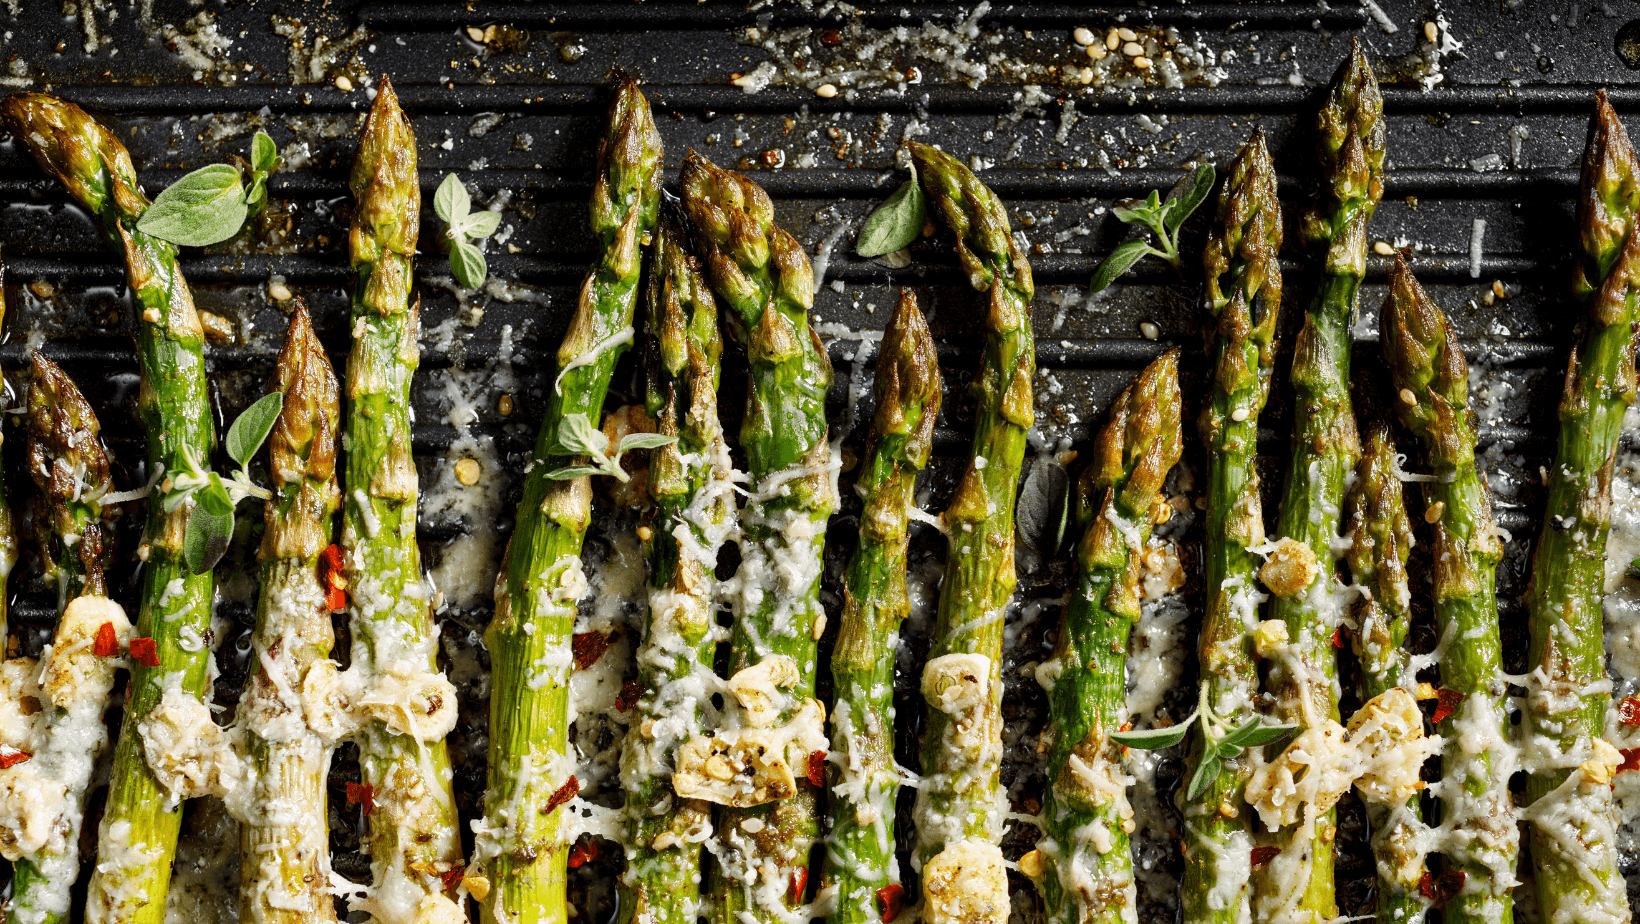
(1120, 261)
(579, 437)
(896, 223)
(1150, 739)
(1206, 772)
(574, 471)
(252, 427)
(467, 264)
(1254, 732)
(210, 526)
(1201, 183)
(264, 153)
(451, 201)
(645, 441)
(204, 207)
(481, 224)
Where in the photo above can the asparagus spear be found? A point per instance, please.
(524, 840)
(860, 859)
(413, 840)
(1244, 298)
(67, 462)
(1573, 831)
(959, 804)
(139, 826)
(8, 529)
(1087, 875)
(1380, 539)
(690, 483)
(284, 842)
(1432, 383)
(764, 278)
(1298, 885)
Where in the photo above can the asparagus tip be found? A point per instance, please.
(65, 457)
(908, 380)
(303, 444)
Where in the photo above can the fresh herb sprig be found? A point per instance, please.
(897, 222)
(463, 226)
(210, 525)
(1221, 743)
(1164, 219)
(211, 204)
(579, 437)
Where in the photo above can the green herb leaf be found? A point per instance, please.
(574, 471)
(1201, 183)
(264, 153)
(1151, 739)
(204, 207)
(579, 437)
(1253, 733)
(210, 526)
(1206, 772)
(645, 441)
(1120, 261)
(451, 201)
(467, 264)
(481, 224)
(1134, 216)
(896, 223)
(251, 429)
(1634, 569)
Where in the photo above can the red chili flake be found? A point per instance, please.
(588, 648)
(333, 578)
(1126, 726)
(585, 851)
(1631, 759)
(1338, 637)
(831, 37)
(799, 885)
(817, 768)
(452, 877)
(1628, 711)
(106, 644)
(893, 898)
(1263, 855)
(11, 757)
(1446, 702)
(566, 792)
(1438, 889)
(630, 691)
(144, 651)
(362, 794)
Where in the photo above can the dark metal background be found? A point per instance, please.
(1530, 66)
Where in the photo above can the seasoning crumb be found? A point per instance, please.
(151, 315)
(467, 471)
(42, 288)
(477, 886)
(1150, 330)
(279, 292)
(344, 84)
(218, 329)
(826, 91)
(1083, 36)
(1383, 248)
(475, 33)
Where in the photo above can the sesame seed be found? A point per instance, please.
(1126, 34)
(1133, 49)
(279, 292)
(475, 33)
(1150, 330)
(1142, 63)
(1097, 52)
(1112, 40)
(504, 406)
(344, 84)
(1431, 32)
(467, 471)
(826, 91)
(1433, 514)
(1383, 249)
(1083, 36)
(1239, 414)
(1407, 397)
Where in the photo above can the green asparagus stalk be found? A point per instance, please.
(763, 277)
(860, 859)
(524, 838)
(284, 841)
(1244, 299)
(140, 824)
(959, 804)
(1431, 379)
(1380, 539)
(1086, 870)
(413, 841)
(691, 484)
(67, 462)
(1298, 885)
(1573, 833)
